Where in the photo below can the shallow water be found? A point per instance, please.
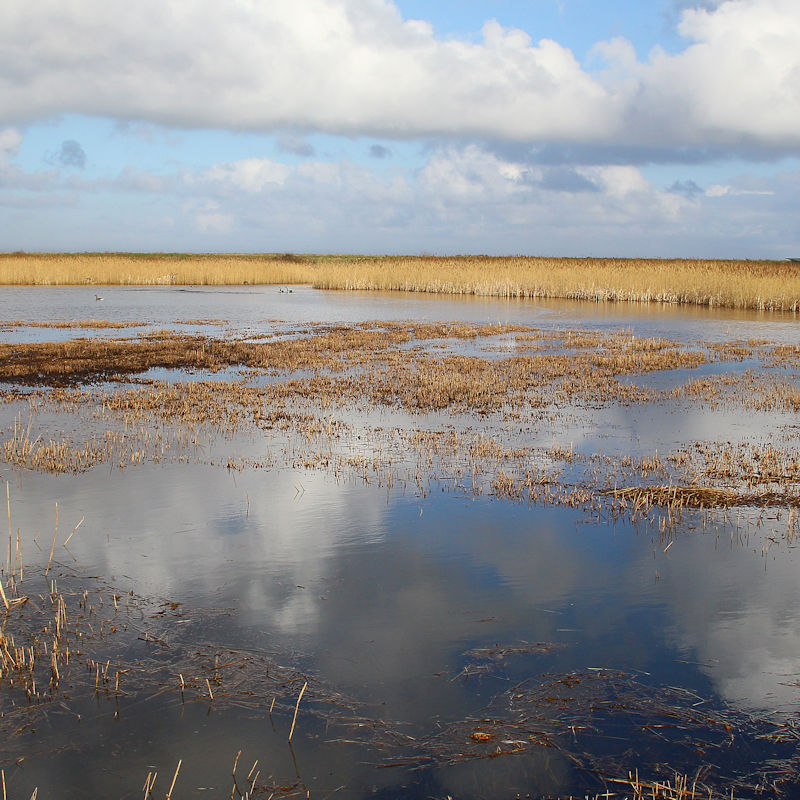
(421, 614)
(259, 309)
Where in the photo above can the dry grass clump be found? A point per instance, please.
(752, 389)
(680, 788)
(677, 498)
(53, 456)
(762, 285)
(74, 324)
(748, 463)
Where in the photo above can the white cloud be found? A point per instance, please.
(357, 67)
(720, 190)
(462, 199)
(249, 175)
(739, 81)
(10, 140)
(208, 218)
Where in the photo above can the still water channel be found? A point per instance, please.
(456, 646)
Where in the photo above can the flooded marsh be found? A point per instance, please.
(361, 546)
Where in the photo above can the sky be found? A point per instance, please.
(657, 128)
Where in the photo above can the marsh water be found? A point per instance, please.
(452, 645)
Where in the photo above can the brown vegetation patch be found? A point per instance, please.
(763, 285)
(73, 324)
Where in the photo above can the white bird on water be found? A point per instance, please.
(97, 297)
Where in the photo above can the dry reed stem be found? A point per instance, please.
(66, 542)
(53, 545)
(667, 790)
(296, 708)
(8, 508)
(149, 783)
(174, 778)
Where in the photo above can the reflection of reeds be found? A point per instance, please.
(762, 285)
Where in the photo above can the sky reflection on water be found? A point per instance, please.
(383, 594)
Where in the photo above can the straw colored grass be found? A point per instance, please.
(304, 390)
(760, 285)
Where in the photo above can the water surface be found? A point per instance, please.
(417, 618)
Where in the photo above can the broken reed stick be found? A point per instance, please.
(174, 778)
(294, 719)
(149, 783)
(73, 531)
(52, 546)
(8, 507)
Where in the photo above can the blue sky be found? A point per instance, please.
(544, 127)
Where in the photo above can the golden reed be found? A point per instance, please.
(759, 285)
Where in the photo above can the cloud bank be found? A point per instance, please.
(461, 198)
(356, 67)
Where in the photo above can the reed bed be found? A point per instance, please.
(757, 285)
(318, 377)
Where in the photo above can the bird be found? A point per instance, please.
(97, 297)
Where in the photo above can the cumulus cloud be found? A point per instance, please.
(248, 175)
(356, 67)
(464, 198)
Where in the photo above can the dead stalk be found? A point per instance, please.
(174, 778)
(296, 708)
(52, 546)
(73, 531)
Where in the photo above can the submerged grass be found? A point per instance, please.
(761, 285)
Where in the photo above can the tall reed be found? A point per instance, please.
(759, 285)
